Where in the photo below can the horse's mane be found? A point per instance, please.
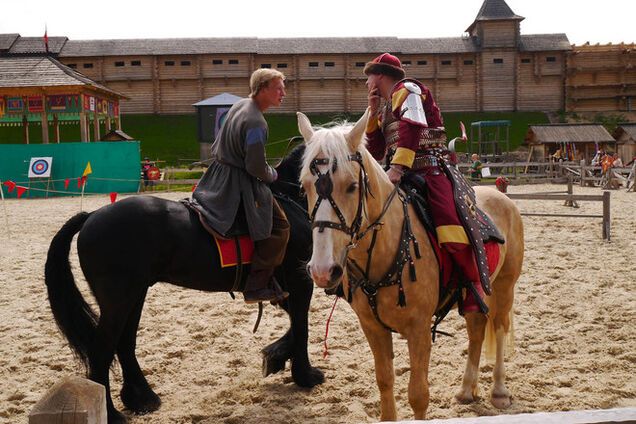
(331, 142)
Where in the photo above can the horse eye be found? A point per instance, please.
(352, 187)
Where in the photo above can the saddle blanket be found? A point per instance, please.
(229, 250)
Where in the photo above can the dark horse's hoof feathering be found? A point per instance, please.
(119, 267)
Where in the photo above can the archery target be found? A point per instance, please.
(40, 167)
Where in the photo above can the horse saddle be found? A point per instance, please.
(235, 246)
(414, 184)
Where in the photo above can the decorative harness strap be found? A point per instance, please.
(324, 189)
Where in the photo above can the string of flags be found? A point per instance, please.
(81, 183)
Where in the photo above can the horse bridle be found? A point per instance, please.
(324, 189)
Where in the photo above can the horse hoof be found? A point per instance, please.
(310, 378)
(140, 401)
(272, 365)
(501, 401)
(464, 399)
(116, 417)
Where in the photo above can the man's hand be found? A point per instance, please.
(373, 99)
(395, 173)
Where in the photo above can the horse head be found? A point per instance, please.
(335, 175)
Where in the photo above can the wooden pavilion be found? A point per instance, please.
(577, 141)
(40, 89)
(625, 135)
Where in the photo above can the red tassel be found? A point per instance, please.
(113, 197)
(66, 181)
(81, 181)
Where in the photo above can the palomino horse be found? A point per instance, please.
(359, 199)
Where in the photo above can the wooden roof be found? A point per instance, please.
(35, 45)
(184, 46)
(43, 71)
(628, 128)
(7, 40)
(568, 133)
(494, 10)
(158, 46)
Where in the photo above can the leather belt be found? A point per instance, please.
(424, 161)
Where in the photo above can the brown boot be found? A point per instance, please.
(259, 288)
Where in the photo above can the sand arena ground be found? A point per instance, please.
(575, 310)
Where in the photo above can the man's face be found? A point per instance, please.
(274, 92)
(372, 83)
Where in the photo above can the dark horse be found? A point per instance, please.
(119, 268)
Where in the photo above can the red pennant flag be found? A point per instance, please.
(10, 184)
(81, 181)
(113, 197)
(21, 191)
(66, 182)
(194, 187)
(46, 39)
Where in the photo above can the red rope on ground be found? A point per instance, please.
(325, 350)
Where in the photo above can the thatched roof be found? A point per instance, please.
(43, 71)
(568, 133)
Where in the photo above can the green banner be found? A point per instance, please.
(115, 167)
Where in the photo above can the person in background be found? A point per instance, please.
(475, 168)
(236, 185)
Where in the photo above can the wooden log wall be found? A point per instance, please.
(590, 78)
(601, 78)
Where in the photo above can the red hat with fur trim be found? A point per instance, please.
(385, 64)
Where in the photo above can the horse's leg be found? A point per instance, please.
(136, 393)
(500, 396)
(476, 328)
(419, 343)
(381, 343)
(114, 314)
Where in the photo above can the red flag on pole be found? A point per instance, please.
(66, 181)
(113, 197)
(46, 39)
(194, 187)
(10, 185)
(80, 181)
(21, 191)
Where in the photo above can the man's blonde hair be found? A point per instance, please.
(261, 77)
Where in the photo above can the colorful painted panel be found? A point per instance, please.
(56, 103)
(35, 104)
(2, 107)
(15, 105)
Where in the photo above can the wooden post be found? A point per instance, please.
(56, 127)
(107, 124)
(583, 176)
(25, 129)
(45, 127)
(95, 125)
(606, 215)
(83, 127)
(73, 400)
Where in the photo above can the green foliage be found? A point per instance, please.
(172, 137)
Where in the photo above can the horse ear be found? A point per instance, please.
(354, 137)
(304, 126)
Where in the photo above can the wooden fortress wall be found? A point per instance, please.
(494, 79)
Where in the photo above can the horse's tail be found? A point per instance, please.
(507, 335)
(74, 317)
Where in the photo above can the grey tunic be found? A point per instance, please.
(238, 172)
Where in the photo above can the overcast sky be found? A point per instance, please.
(582, 20)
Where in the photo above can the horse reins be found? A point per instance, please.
(324, 189)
